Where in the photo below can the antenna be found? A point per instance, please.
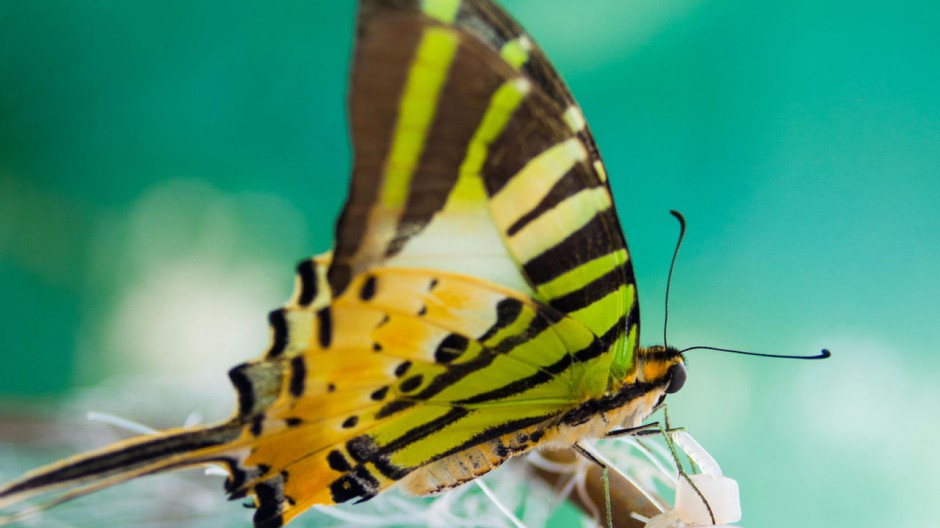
(822, 354)
(672, 266)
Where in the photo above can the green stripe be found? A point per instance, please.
(442, 10)
(416, 112)
(469, 189)
(576, 278)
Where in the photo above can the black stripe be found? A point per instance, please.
(306, 270)
(298, 375)
(542, 376)
(569, 185)
(532, 128)
(590, 292)
(496, 432)
(618, 329)
(393, 407)
(278, 321)
(389, 470)
(325, 327)
(423, 430)
(591, 241)
(587, 410)
(128, 458)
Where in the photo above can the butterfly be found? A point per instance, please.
(479, 301)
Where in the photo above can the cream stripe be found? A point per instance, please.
(600, 170)
(416, 112)
(574, 118)
(557, 224)
(528, 187)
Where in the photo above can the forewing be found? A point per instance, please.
(471, 156)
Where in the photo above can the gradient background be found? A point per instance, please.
(163, 165)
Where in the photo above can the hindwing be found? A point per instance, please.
(405, 368)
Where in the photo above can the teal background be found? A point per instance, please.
(164, 164)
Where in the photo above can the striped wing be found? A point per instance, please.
(471, 156)
(426, 378)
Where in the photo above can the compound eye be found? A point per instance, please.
(678, 379)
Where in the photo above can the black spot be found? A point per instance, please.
(501, 450)
(325, 320)
(380, 394)
(298, 375)
(384, 320)
(376, 347)
(306, 270)
(451, 348)
(423, 310)
(432, 285)
(242, 383)
(337, 461)
(278, 322)
(270, 498)
(411, 383)
(359, 484)
(236, 478)
(330, 387)
(350, 422)
(393, 407)
(293, 422)
(367, 292)
(362, 448)
(537, 435)
(257, 425)
(402, 368)
(507, 311)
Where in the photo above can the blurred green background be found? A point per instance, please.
(163, 165)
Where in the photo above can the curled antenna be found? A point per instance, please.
(672, 266)
(822, 354)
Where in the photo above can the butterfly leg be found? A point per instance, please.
(651, 428)
(590, 456)
(667, 436)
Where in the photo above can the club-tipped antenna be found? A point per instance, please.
(823, 354)
(672, 266)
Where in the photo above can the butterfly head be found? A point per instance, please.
(662, 366)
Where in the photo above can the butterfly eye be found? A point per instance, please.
(678, 379)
